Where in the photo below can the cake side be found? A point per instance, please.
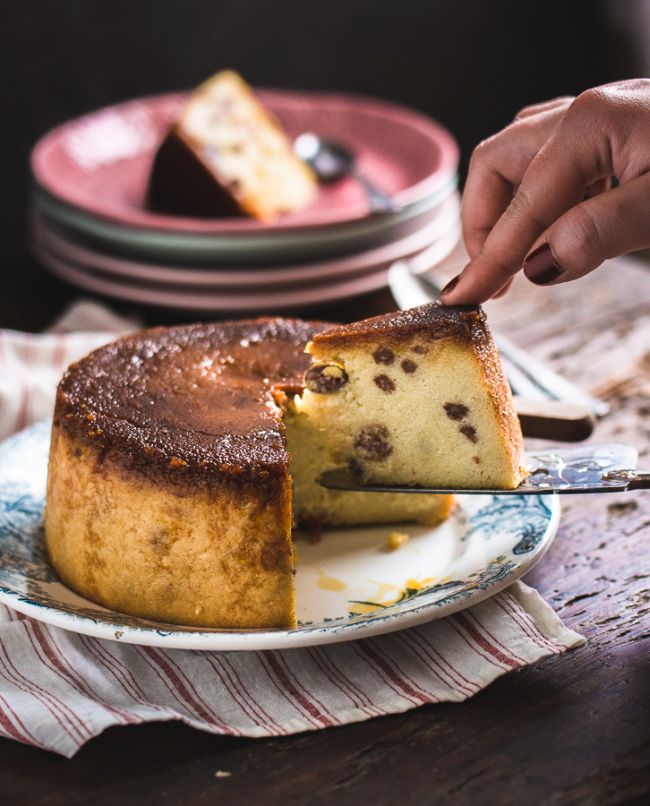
(499, 398)
(201, 557)
(420, 400)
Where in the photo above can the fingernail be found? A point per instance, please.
(450, 286)
(541, 267)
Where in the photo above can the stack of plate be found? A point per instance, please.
(91, 227)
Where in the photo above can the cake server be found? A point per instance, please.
(606, 468)
(527, 376)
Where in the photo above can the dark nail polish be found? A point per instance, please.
(541, 267)
(450, 285)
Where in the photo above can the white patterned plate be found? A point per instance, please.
(348, 584)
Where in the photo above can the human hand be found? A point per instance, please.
(539, 193)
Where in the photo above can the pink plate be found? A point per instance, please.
(100, 163)
(59, 243)
(257, 299)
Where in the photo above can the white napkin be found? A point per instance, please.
(59, 689)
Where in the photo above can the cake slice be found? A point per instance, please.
(226, 155)
(314, 506)
(416, 397)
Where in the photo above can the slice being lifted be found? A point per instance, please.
(416, 398)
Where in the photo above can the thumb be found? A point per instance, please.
(605, 226)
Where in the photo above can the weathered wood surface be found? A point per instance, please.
(570, 730)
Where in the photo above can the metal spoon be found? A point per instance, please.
(331, 161)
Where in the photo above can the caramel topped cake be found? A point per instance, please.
(416, 398)
(226, 155)
(170, 476)
(168, 490)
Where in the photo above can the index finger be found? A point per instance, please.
(554, 182)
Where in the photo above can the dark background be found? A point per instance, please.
(470, 63)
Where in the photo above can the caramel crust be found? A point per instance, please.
(190, 405)
(434, 320)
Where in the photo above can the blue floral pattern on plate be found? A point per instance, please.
(523, 527)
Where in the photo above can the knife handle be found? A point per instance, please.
(554, 419)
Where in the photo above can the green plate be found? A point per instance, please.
(269, 248)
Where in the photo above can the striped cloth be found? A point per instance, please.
(59, 689)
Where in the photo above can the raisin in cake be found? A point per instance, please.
(170, 477)
(417, 398)
(226, 155)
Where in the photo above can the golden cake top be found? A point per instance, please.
(435, 320)
(197, 400)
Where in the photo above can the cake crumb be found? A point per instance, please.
(397, 539)
(222, 774)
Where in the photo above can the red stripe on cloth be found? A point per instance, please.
(58, 352)
(400, 671)
(106, 661)
(264, 661)
(343, 683)
(246, 704)
(9, 710)
(163, 663)
(57, 709)
(12, 615)
(73, 718)
(455, 674)
(510, 605)
(514, 616)
(482, 641)
(296, 696)
(431, 662)
(119, 673)
(10, 730)
(382, 664)
(21, 417)
(161, 677)
(495, 641)
(528, 619)
(76, 681)
(128, 675)
(26, 354)
(383, 677)
(168, 658)
(58, 664)
(482, 655)
(305, 691)
(243, 688)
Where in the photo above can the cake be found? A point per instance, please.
(170, 477)
(416, 398)
(226, 155)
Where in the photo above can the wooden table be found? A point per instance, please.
(570, 730)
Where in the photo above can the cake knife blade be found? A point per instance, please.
(527, 376)
(606, 468)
